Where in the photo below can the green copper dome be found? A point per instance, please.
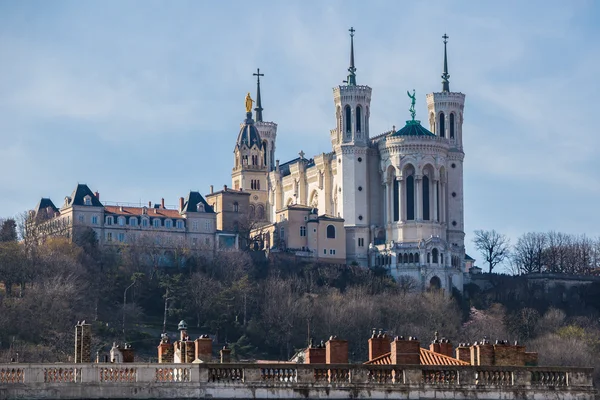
(412, 128)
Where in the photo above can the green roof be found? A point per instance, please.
(412, 128)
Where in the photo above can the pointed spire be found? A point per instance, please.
(258, 108)
(351, 81)
(445, 75)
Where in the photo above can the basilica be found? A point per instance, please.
(391, 200)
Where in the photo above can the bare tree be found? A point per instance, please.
(494, 247)
(528, 253)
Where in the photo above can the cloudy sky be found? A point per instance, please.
(143, 100)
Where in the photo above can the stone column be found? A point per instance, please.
(388, 216)
(418, 199)
(443, 201)
(400, 194)
(435, 200)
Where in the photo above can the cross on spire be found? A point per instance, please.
(258, 108)
(301, 154)
(445, 74)
(351, 81)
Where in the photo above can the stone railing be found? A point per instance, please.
(289, 380)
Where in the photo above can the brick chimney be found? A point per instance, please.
(379, 344)
(225, 355)
(336, 351)
(406, 351)
(203, 348)
(435, 344)
(482, 353)
(162, 203)
(97, 194)
(315, 354)
(463, 352)
(165, 350)
(181, 204)
(149, 204)
(446, 347)
(83, 342)
(128, 353)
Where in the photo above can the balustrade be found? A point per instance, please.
(60, 375)
(12, 375)
(279, 374)
(494, 377)
(118, 374)
(172, 375)
(440, 377)
(226, 374)
(549, 378)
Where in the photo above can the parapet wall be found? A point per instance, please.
(290, 381)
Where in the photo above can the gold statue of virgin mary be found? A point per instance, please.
(249, 102)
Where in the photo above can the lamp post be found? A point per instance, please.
(124, 303)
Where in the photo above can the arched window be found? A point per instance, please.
(428, 258)
(156, 222)
(348, 113)
(251, 211)
(442, 125)
(260, 212)
(410, 198)
(121, 221)
(168, 223)
(133, 221)
(358, 119)
(426, 198)
(399, 258)
(330, 232)
(451, 125)
(435, 283)
(410, 259)
(265, 152)
(396, 203)
(434, 256)
(417, 258)
(405, 258)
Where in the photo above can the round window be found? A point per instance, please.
(453, 194)
(360, 188)
(360, 217)
(453, 165)
(359, 159)
(453, 223)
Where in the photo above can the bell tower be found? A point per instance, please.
(350, 140)
(446, 120)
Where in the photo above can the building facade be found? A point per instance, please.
(193, 224)
(399, 193)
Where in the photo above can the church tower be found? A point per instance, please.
(350, 140)
(251, 163)
(446, 120)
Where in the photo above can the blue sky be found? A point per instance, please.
(143, 99)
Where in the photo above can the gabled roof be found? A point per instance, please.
(80, 192)
(192, 201)
(427, 357)
(468, 257)
(284, 168)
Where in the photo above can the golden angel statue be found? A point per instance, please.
(249, 102)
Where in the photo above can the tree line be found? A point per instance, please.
(539, 252)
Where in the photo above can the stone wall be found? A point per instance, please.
(290, 381)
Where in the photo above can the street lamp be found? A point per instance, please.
(125, 302)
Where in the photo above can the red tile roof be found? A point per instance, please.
(151, 212)
(427, 357)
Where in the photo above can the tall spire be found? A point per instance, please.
(258, 108)
(445, 75)
(351, 81)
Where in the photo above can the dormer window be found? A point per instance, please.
(200, 207)
(168, 223)
(156, 223)
(133, 221)
(87, 200)
(144, 210)
(144, 222)
(179, 224)
(121, 221)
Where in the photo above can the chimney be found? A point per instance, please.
(162, 203)
(315, 354)
(435, 344)
(406, 351)
(225, 187)
(446, 347)
(379, 344)
(463, 353)
(182, 327)
(149, 204)
(277, 165)
(225, 355)
(336, 351)
(165, 350)
(203, 348)
(83, 342)
(97, 194)
(482, 353)
(212, 189)
(128, 354)
(509, 355)
(181, 204)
